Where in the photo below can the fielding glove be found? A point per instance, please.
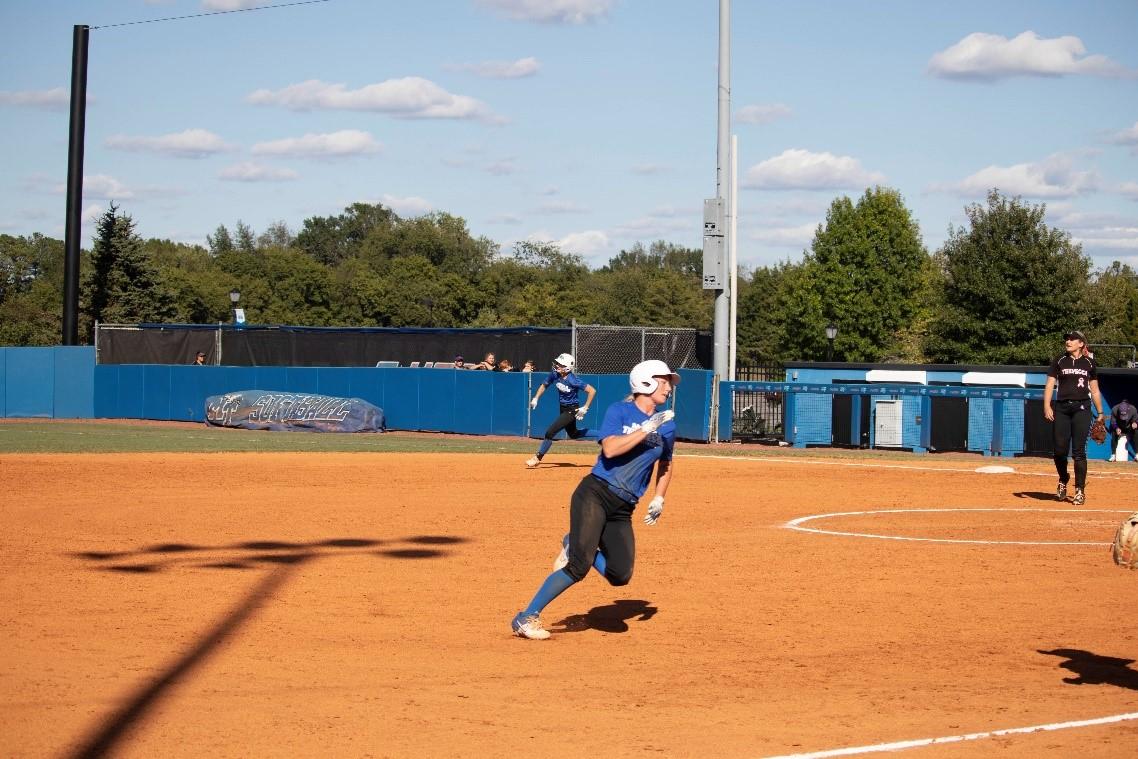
(655, 421)
(655, 509)
(533, 403)
(581, 412)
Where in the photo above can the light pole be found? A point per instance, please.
(234, 296)
(831, 333)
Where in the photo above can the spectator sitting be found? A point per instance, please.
(487, 364)
(199, 359)
(505, 366)
(528, 366)
(459, 363)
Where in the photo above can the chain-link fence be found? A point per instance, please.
(758, 415)
(601, 349)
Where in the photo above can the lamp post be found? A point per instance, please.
(831, 333)
(234, 296)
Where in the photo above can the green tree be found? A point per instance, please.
(1112, 299)
(868, 264)
(122, 285)
(332, 239)
(277, 235)
(244, 239)
(1011, 287)
(31, 290)
(220, 241)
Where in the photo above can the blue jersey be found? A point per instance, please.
(568, 387)
(628, 474)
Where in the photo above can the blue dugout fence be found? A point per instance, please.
(995, 414)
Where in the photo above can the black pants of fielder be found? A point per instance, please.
(1072, 423)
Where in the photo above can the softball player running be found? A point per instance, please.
(634, 437)
(569, 387)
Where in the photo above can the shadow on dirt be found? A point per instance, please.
(1092, 669)
(282, 558)
(1037, 496)
(611, 618)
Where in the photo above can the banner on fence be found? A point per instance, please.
(298, 412)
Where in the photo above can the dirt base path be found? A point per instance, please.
(359, 604)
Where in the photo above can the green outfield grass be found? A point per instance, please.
(114, 437)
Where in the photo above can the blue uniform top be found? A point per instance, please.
(568, 387)
(628, 474)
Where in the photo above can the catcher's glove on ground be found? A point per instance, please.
(1098, 431)
(1125, 548)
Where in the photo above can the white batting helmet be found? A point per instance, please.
(642, 378)
(565, 360)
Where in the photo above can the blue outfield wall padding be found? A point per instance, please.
(401, 399)
(334, 380)
(473, 418)
(3, 382)
(156, 388)
(31, 374)
(301, 379)
(693, 405)
(437, 388)
(74, 386)
(509, 405)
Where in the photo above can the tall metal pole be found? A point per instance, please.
(74, 220)
(733, 259)
(722, 165)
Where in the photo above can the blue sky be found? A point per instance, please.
(590, 123)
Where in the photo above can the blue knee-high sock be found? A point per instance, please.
(556, 584)
(600, 563)
(543, 449)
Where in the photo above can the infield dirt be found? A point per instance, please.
(359, 604)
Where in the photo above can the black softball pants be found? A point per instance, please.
(1072, 423)
(566, 420)
(600, 519)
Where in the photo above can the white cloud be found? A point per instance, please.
(562, 206)
(505, 218)
(191, 143)
(1127, 137)
(588, 243)
(798, 237)
(409, 206)
(655, 227)
(502, 168)
(992, 56)
(1129, 189)
(518, 69)
(762, 114)
(56, 99)
(411, 97)
(797, 169)
(91, 213)
(1110, 238)
(342, 144)
(103, 187)
(551, 11)
(251, 171)
(231, 5)
(649, 169)
(1053, 177)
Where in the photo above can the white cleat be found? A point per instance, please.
(529, 627)
(532, 462)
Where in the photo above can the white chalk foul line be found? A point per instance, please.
(875, 465)
(796, 524)
(901, 745)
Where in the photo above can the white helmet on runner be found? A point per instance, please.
(565, 360)
(643, 376)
